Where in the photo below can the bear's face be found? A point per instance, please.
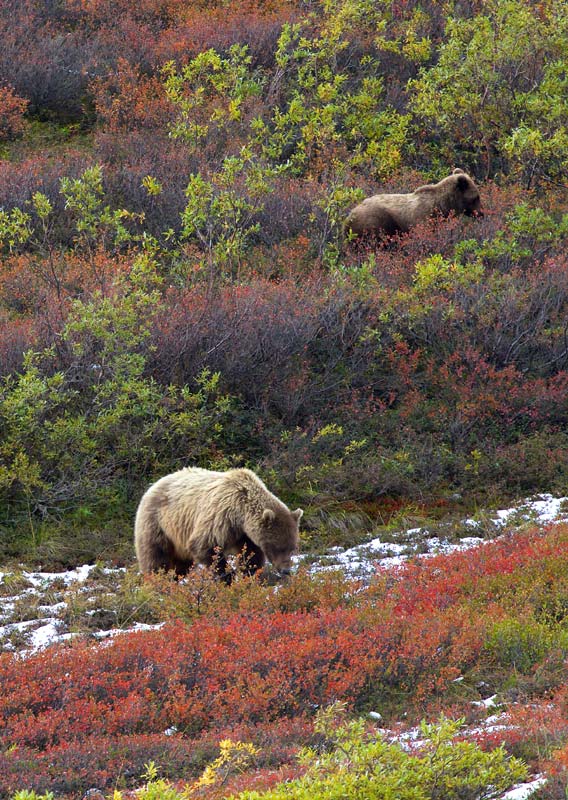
(280, 536)
(466, 194)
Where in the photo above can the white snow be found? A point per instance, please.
(77, 575)
(46, 628)
(524, 790)
(5, 630)
(138, 626)
(53, 609)
(489, 702)
(361, 560)
(45, 635)
(546, 509)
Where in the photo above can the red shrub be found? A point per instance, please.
(126, 100)
(275, 344)
(256, 25)
(12, 110)
(16, 336)
(408, 636)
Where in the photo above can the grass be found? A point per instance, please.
(53, 137)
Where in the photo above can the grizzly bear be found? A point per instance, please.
(388, 214)
(197, 516)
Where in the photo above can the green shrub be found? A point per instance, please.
(519, 644)
(83, 428)
(352, 762)
(366, 767)
(495, 94)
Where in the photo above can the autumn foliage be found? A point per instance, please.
(12, 110)
(257, 664)
(176, 288)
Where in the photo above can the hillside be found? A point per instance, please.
(176, 287)
(115, 683)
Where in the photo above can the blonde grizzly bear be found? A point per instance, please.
(196, 516)
(389, 214)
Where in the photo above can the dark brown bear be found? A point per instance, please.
(197, 516)
(389, 214)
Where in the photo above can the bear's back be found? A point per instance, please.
(390, 213)
(387, 214)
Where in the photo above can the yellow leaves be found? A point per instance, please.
(476, 460)
(233, 757)
(417, 50)
(328, 430)
(152, 186)
(438, 273)
(327, 92)
(15, 228)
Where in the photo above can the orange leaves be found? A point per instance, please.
(128, 99)
(240, 668)
(12, 110)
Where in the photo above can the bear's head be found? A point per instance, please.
(280, 536)
(465, 195)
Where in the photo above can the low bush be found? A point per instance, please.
(252, 656)
(362, 767)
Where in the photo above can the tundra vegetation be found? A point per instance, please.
(175, 289)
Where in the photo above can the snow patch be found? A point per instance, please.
(543, 510)
(45, 635)
(362, 560)
(489, 702)
(77, 575)
(524, 790)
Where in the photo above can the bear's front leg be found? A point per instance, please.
(251, 556)
(215, 559)
(181, 566)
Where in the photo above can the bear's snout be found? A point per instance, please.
(281, 560)
(282, 563)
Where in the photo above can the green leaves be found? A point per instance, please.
(367, 767)
(497, 93)
(15, 228)
(77, 429)
(323, 109)
(210, 93)
(437, 274)
(221, 210)
(96, 223)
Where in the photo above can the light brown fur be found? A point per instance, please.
(388, 214)
(197, 516)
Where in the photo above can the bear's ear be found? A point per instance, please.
(462, 183)
(297, 514)
(268, 515)
(458, 171)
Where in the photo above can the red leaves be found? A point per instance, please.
(408, 637)
(128, 99)
(12, 110)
